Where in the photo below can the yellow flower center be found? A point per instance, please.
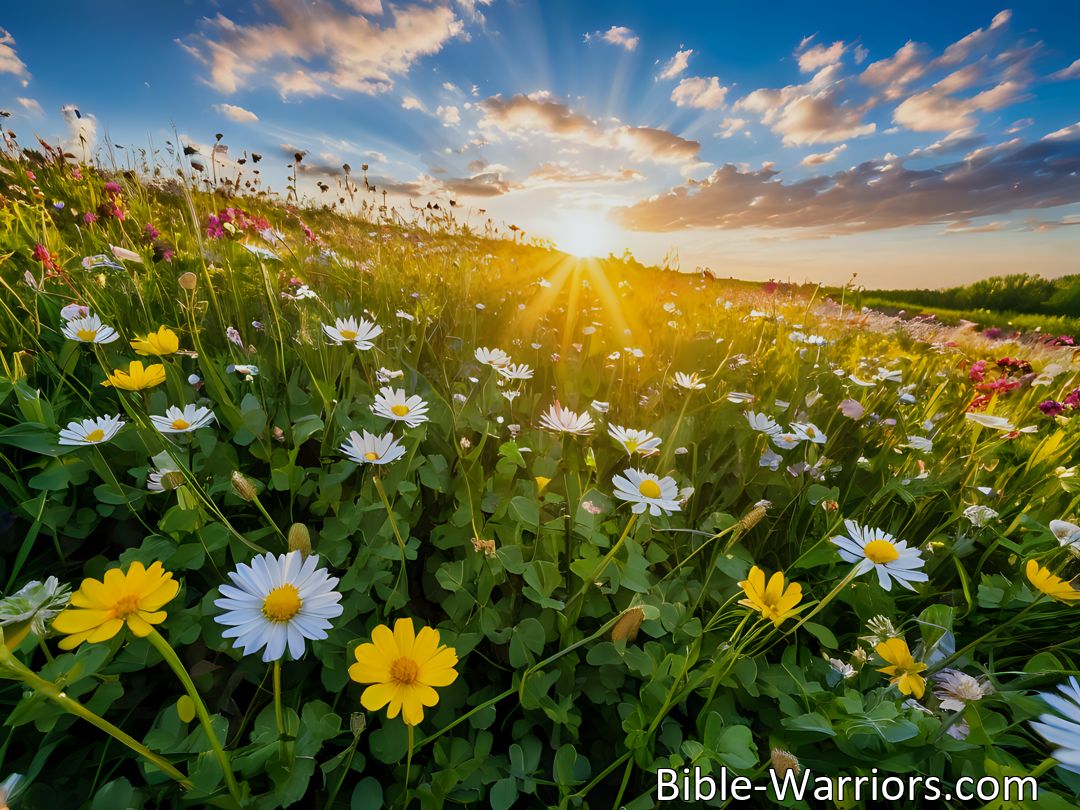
(348, 334)
(125, 606)
(371, 455)
(649, 488)
(880, 552)
(180, 424)
(404, 670)
(282, 603)
(87, 335)
(95, 435)
(631, 445)
(399, 410)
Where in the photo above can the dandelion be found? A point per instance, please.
(515, 371)
(277, 603)
(496, 358)
(371, 449)
(956, 689)
(101, 608)
(360, 333)
(90, 431)
(393, 404)
(1051, 585)
(88, 329)
(690, 381)
(162, 343)
(647, 491)
(175, 420)
(1061, 726)
(903, 670)
(874, 549)
(772, 600)
(635, 441)
(403, 669)
(561, 420)
(136, 378)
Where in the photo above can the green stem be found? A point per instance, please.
(996, 629)
(393, 525)
(173, 660)
(828, 598)
(408, 770)
(279, 715)
(51, 691)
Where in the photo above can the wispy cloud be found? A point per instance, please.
(819, 158)
(676, 65)
(9, 59)
(237, 114)
(316, 48)
(616, 35)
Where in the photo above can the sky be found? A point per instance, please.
(916, 144)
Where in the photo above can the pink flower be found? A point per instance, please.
(978, 369)
(89, 218)
(851, 409)
(1051, 407)
(112, 188)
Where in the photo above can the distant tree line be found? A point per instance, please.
(1016, 292)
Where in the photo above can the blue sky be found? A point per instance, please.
(917, 144)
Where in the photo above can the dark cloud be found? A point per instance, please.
(874, 195)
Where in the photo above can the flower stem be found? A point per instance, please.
(997, 628)
(173, 660)
(828, 598)
(51, 691)
(393, 525)
(408, 769)
(279, 715)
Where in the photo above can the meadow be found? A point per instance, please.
(387, 509)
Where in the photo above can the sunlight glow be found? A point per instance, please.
(586, 234)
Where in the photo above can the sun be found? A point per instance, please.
(585, 234)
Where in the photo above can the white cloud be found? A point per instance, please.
(676, 64)
(934, 110)
(730, 126)
(824, 157)
(237, 114)
(412, 103)
(448, 115)
(616, 35)
(9, 60)
(819, 56)
(82, 131)
(701, 93)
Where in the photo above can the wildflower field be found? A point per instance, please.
(313, 510)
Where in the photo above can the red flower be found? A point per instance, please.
(47, 259)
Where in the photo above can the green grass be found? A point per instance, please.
(595, 645)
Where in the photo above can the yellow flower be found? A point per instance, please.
(402, 669)
(136, 378)
(99, 609)
(1053, 586)
(162, 342)
(772, 601)
(903, 670)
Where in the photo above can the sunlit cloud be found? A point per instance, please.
(676, 65)
(616, 35)
(237, 114)
(9, 59)
(704, 94)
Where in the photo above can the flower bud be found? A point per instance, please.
(242, 486)
(626, 628)
(187, 281)
(783, 761)
(300, 539)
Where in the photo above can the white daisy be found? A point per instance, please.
(90, 431)
(1062, 726)
(762, 423)
(635, 441)
(192, 417)
(349, 330)
(739, 397)
(393, 404)
(956, 689)
(600, 407)
(276, 603)
(515, 371)
(496, 358)
(371, 449)
(560, 420)
(979, 515)
(647, 491)
(874, 549)
(163, 478)
(809, 432)
(385, 375)
(88, 329)
(1068, 534)
(785, 440)
(73, 311)
(688, 381)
